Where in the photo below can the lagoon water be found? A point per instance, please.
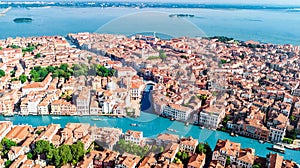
(273, 26)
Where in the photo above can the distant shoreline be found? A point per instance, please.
(83, 4)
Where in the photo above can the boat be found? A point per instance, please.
(22, 20)
(261, 141)
(181, 15)
(201, 127)
(8, 115)
(96, 119)
(187, 124)
(232, 134)
(164, 116)
(133, 124)
(172, 119)
(7, 119)
(293, 148)
(56, 118)
(172, 130)
(277, 148)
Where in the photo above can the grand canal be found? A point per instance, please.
(152, 125)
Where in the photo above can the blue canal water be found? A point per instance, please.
(273, 26)
(152, 125)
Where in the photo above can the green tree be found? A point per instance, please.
(177, 160)
(227, 160)
(200, 149)
(12, 73)
(23, 78)
(8, 143)
(2, 73)
(64, 67)
(77, 150)
(256, 165)
(292, 118)
(65, 153)
(43, 73)
(225, 120)
(7, 163)
(179, 154)
(38, 132)
(161, 149)
(185, 156)
(162, 55)
(14, 46)
(42, 146)
(203, 98)
(34, 75)
(1, 149)
(129, 147)
(38, 55)
(56, 157)
(287, 140)
(29, 48)
(14, 79)
(50, 69)
(223, 61)
(29, 155)
(291, 134)
(207, 148)
(222, 39)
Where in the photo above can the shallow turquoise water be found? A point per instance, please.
(273, 26)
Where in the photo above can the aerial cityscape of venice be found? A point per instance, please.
(150, 84)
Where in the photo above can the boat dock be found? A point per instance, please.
(5, 11)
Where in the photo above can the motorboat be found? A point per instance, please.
(96, 119)
(172, 130)
(133, 124)
(277, 148)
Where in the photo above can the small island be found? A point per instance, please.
(181, 15)
(22, 20)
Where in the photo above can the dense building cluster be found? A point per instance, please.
(204, 80)
(46, 75)
(246, 88)
(25, 147)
